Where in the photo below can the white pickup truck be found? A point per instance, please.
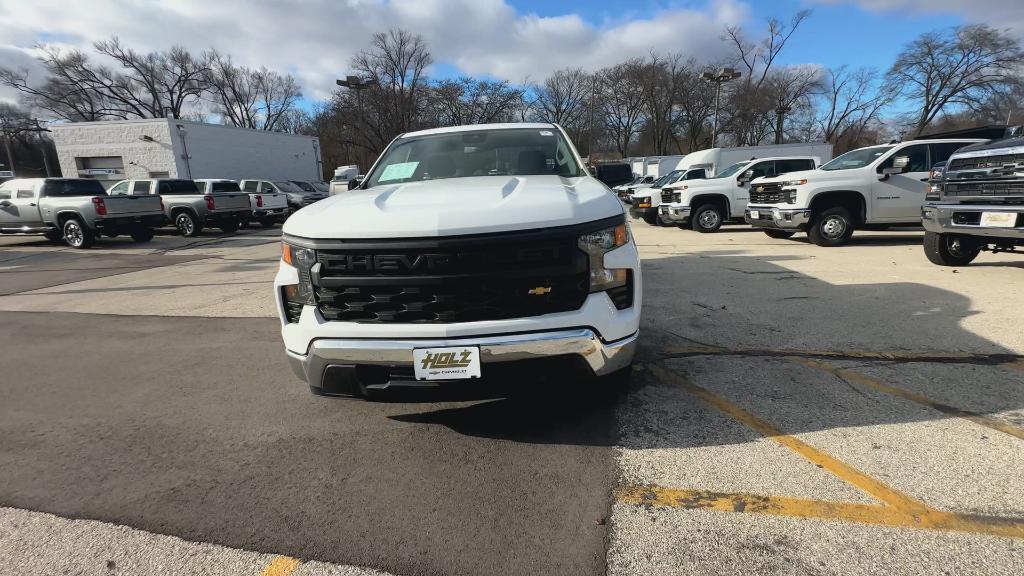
(644, 200)
(704, 205)
(268, 206)
(876, 186)
(483, 251)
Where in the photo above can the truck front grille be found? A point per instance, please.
(989, 188)
(766, 194)
(982, 162)
(669, 196)
(456, 279)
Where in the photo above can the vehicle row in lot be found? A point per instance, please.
(78, 210)
(975, 204)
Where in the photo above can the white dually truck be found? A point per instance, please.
(711, 162)
(872, 187)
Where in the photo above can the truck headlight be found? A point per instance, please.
(596, 244)
(302, 259)
(933, 193)
(795, 182)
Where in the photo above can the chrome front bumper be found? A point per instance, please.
(674, 213)
(781, 218)
(939, 218)
(602, 357)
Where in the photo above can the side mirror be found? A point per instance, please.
(355, 182)
(899, 166)
(745, 177)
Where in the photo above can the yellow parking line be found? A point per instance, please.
(661, 497)
(857, 378)
(901, 511)
(840, 469)
(281, 566)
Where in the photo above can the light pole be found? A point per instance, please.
(718, 78)
(780, 115)
(358, 84)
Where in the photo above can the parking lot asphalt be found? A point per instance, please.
(794, 410)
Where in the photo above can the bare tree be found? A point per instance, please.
(564, 98)
(697, 103)
(473, 101)
(851, 102)
(157, 84)
(75, 89)
(959, 68)
(621, 102)
(751, 111)
(396, 64)
(792, 88)
(662, 80)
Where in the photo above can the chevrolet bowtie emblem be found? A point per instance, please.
(539, 290)
(759, 189)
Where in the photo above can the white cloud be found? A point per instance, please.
(1003, 14)
(315, 39)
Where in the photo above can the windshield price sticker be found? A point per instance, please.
(399, 171)
(454, 363)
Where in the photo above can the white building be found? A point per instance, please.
(169, 148)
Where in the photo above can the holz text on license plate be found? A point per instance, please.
(449, 363)
(998, 219)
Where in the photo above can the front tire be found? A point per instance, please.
(186, 223)
(778, 234)
(833, 227)
(142, 234)
(707, 218)
(78, 235)
(950, 249)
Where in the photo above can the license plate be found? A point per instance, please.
(452, 363)
(754, 214)
(998, 219)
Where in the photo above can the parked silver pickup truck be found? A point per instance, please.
(188, 208)
(75, 209)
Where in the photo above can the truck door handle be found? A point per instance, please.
(31, 203)
(924, 179)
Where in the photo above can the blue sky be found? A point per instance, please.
(517, 40)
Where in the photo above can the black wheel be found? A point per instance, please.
(833, 227)
(186, 223)
(142, 234)
(268, 222)
(780, 234)
(77, 235)
(229, 226)
(651, 218)
(950, 249)
(54, 235)
(706, 218)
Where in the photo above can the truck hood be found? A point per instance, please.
(455, 206)
(706, 185)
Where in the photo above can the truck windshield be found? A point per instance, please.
(856, 158)
(289, 187)
(501, 152)
(177, 187)
(732, 170)
(73, 187)
(224, 187)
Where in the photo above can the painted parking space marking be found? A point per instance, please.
(1015, 361)
(897, 509)
(281, 566)
(868, 382)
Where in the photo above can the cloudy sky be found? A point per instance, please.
(511, 39)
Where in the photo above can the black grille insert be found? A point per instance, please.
(985, 162)
(473, 278)
(1008, 188)
(767, 194)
